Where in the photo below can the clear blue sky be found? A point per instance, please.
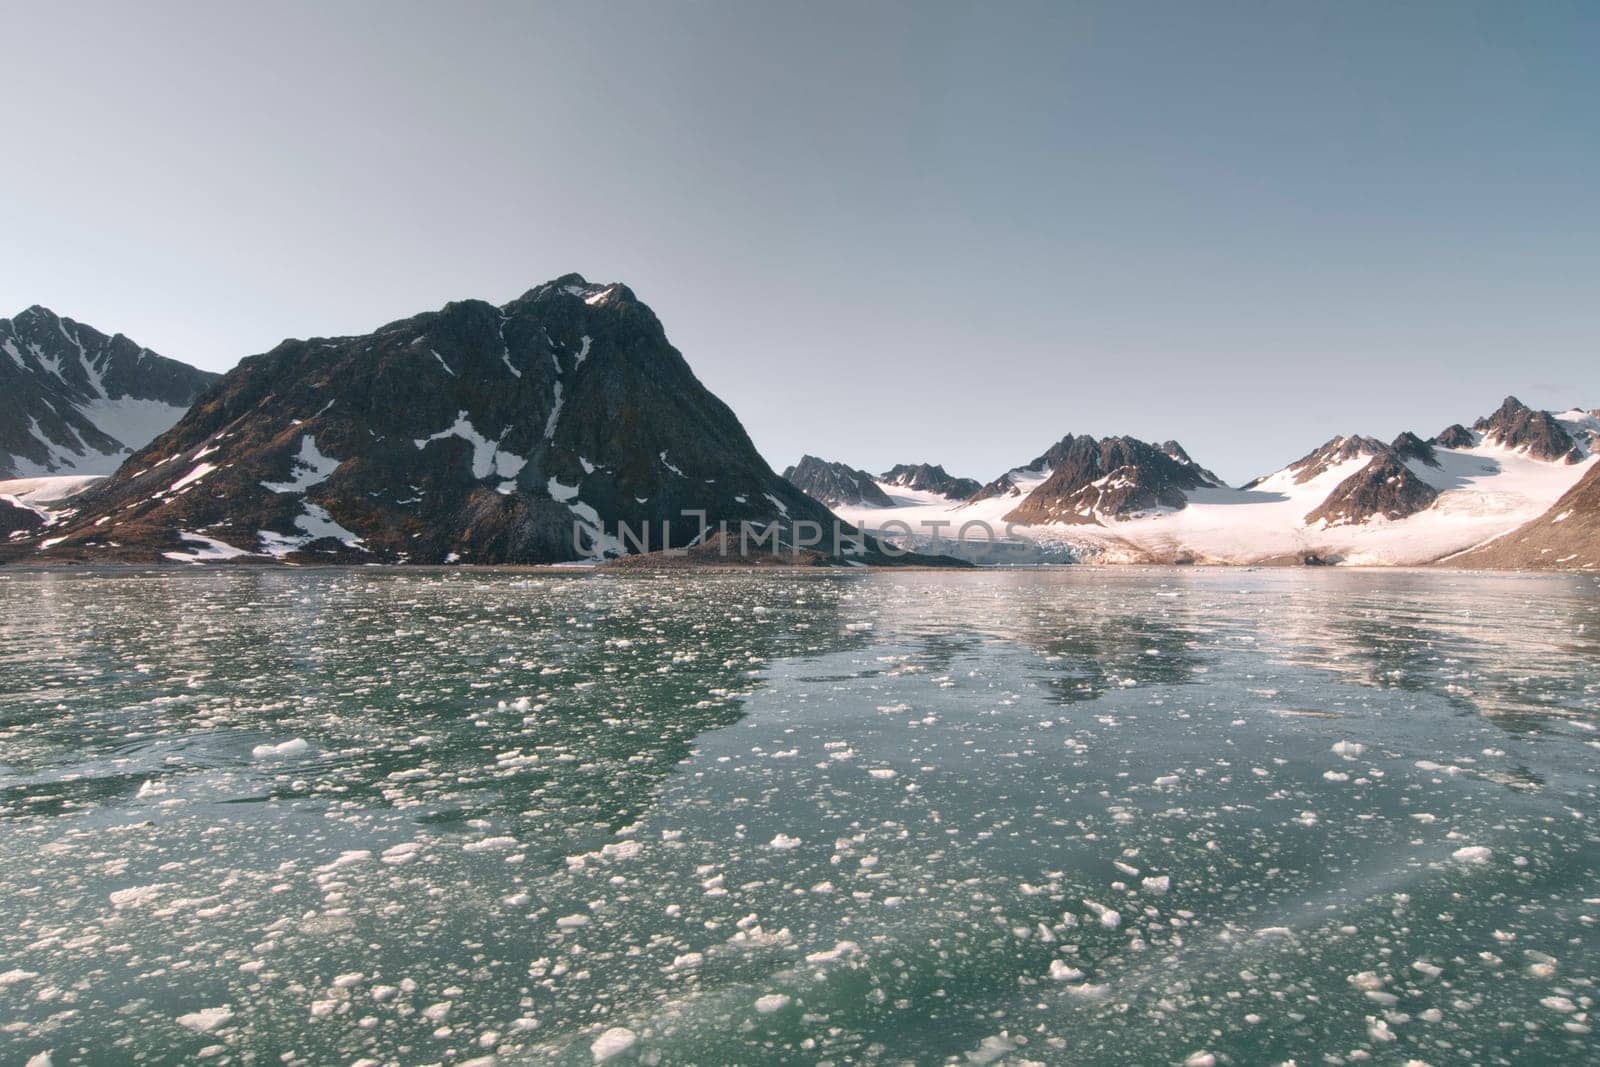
(882, 232)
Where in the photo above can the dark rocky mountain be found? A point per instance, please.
(475, 433)
(1409, 446)
(1110, 478)
(17, 520)
(1455, 436)
(1567, 537)
(1515, 425)
(1386, 486)
(836, 484)
(1019, 481)
(74, 401)
(930, 478)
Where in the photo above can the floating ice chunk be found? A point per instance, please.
(1109, 918)
(401, 854)
(1472, 854)
(347, 859)
(568, 922)
(1157, 886)
(136, 895)
(783, 842)
(41, 1060)
(1560, 1004)
(1061, 971)
(613, 1042)
(283, 750)
(837, 952)
(881, 772)
(489, 844)
(1200, 1059)
(206, 1020)
(772, 1002)
(1348, 749)
(12, 977)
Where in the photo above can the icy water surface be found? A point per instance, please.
(1077, 817)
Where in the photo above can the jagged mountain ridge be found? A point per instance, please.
(74, 401)
(930, 478)
(1352, 499)
(836, 483)
(474, 433)
(1093, 479)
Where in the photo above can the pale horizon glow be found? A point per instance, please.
(881, 233)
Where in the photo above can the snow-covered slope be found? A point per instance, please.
(1491, 484)
(74, 401)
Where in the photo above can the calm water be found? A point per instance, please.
(1077, 817)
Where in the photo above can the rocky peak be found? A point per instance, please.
(836, 484)
(1455, 436)
(1091, 480)
(1409, 446)
(1516, 426)
(75, 401)
(930, 478)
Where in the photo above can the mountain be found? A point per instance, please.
(1329, 454)
(523, 433)
(1567, 537)
(929, 478)
(74, 401)
(1352, 499)
(1386, 486)
(835, 483)
(1539, 433)
(1091, 480)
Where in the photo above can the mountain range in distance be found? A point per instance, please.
(527, 432)
(1516, 490)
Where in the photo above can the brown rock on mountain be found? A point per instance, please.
(1111, 478)
(1385, 486)
(1567, 537)
(1515, 425)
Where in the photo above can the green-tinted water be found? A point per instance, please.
(1079, 817)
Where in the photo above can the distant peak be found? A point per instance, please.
(576, 285)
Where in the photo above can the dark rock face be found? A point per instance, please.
(74, 401)
(1385, 486)
(17, 520)
(475, 433)
(1567, 537)
(930, 478)
(1455, 436)
(1009, 483)
(836, 484)
(1409, 446)
(1515, 425)
(1110, 478)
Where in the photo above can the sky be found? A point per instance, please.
(882, 232)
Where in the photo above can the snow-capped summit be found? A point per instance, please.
(74, 401)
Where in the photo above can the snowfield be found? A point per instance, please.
(1485, 491)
